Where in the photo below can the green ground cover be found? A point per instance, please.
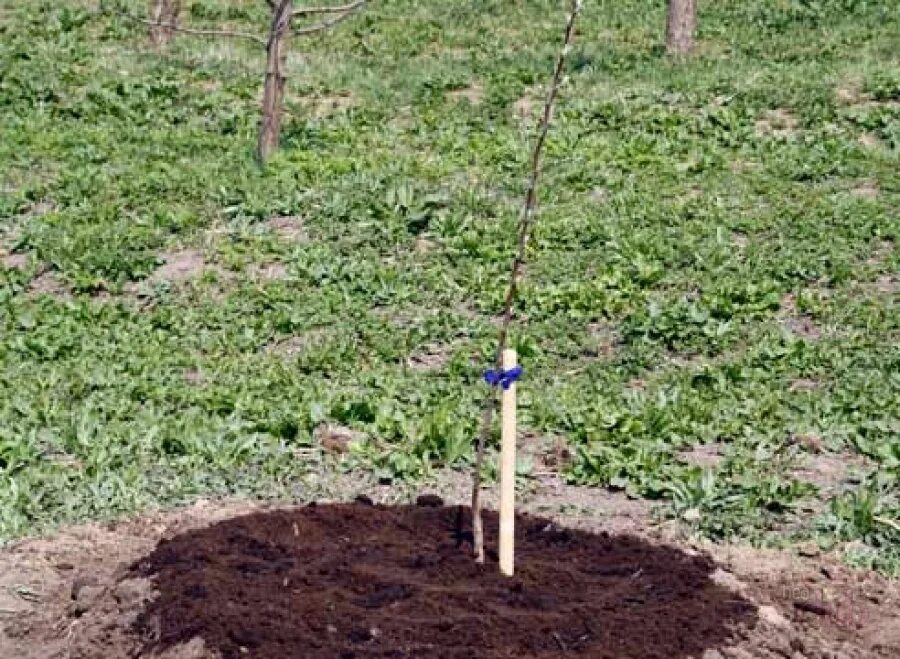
(716, 261)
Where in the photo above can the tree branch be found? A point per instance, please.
(337, 9)
(348, 10)
(198, 32)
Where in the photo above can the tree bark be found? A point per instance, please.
(680, 26)
(163, 15)
(273, 93)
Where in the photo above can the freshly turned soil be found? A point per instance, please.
(358, 580)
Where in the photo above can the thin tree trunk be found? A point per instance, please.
(163, 18)
(681, 24)
(526, 220)
(273, 94)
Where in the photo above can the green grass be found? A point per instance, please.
(711, 232)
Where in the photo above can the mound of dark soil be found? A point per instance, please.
(369, 581)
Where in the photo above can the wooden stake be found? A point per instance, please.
(508, 470)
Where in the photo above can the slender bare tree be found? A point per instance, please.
(163, 22)
(163, 19)
(681, 23)
(273, 91)
(283, 15)
(523, 233)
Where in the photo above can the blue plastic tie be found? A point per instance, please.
(503, 378)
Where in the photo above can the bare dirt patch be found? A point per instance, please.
(547, 455)
(599, 195)
(881, 252)
(830, 472)
(869, 140)
(180, 266)
(821, 607)
(177, 267)
(691, 361)
(268, 271)
(194, 376)
(586, 508)
(288, 227)
(292, 346)
(336, 439)
(161, 585)
(423, 245)
(526, 106)
(810, 441)
(804, 384)
(213, 581)
(431, 357)
(593, 508)
(706, 456)
(44, 279)
(889, 284)
(403, 119)
(325, 581)
(322, 106)
(15, 261)
(605, 339)
(803, 327)
(57, 591)
(867, 190)
(795, 322)
(49, 283)
(849, 93)
(39, 208)
(401, 582)
(740, 239)
(474, 94)
(740, 165)
(210, 85)
(776, 123)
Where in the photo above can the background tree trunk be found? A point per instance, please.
(163, 13)
(681, 24)
(273, 94)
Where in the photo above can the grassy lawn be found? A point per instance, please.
(711, 311)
